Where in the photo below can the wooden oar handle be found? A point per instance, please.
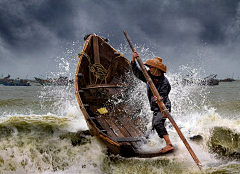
(129, 41)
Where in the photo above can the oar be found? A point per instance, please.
(161, 105)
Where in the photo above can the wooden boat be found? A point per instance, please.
(16, 82)
(100, 77)
(210, 80)
(228, 80)
(5, 79)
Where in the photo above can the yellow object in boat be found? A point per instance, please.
(102, 111)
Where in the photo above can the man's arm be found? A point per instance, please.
(138, 72)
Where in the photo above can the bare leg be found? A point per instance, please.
(167, 140)
(169, 146)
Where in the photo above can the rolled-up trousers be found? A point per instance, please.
(158, 124)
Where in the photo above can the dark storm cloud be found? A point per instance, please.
(159, 19)
(37, 31)
(56, 15)
(174, 21)
(30, 26)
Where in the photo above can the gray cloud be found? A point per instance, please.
(39, 33)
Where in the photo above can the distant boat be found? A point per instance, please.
(227, 80)
(210, 80)
(16, 82)
(4, 79)
(61, 81)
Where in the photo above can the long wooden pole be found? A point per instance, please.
(161, 104)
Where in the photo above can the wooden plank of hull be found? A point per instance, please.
(104, 86)
(113, 125)
(96, 50)
(119, 130)
(131, 129)
(105, 126)
(126, 139)
(110, 124)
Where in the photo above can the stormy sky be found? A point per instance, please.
(43, 37)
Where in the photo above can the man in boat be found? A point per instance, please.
(156, 72)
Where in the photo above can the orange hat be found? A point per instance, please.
(156, 62)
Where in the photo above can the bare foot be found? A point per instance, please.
(167, 148)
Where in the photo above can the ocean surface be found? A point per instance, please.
(42, 130)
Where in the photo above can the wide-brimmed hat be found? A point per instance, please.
(156, 62)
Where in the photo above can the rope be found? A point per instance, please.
(84, 54)
(97, 69)
(164, 110)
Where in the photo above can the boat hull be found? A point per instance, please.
(16, 82)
